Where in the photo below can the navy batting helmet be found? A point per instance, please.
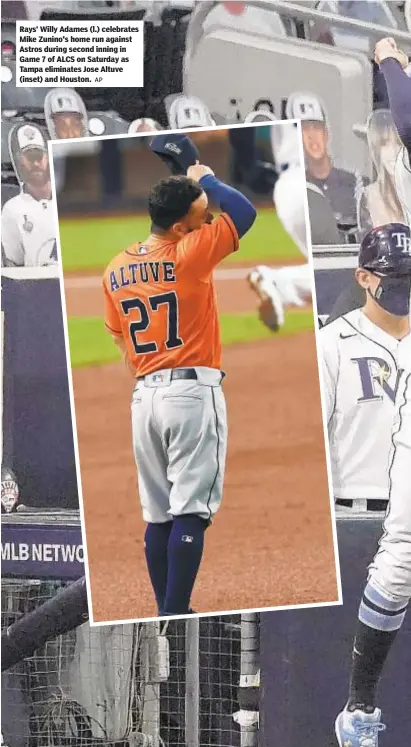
(176, 150)
(386, 250)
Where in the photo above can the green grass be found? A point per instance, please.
(89, 244)
(91, 345)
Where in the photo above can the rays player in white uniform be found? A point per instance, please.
(27, 222)
(366, 358)
(284, 286)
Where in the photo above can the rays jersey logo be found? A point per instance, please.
(377, 379)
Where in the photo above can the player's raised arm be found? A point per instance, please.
(230, 201)
(203, 249)
(393, 62)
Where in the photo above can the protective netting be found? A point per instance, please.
(119, 685)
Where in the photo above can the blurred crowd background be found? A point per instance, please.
(212, 63)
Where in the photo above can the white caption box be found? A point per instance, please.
(107, 54)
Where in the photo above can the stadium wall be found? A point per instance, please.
(37, 431)
(306, 656)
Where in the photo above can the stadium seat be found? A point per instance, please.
(342, 79)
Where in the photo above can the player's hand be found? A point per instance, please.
(197, 171)
(386, 48)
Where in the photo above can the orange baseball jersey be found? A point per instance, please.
(162, 299)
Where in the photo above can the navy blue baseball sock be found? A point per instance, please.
(185, 550)
(155, 546)
(379, 619)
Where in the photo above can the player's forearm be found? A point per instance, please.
(241, 211)
(123, 350)
(399, 94)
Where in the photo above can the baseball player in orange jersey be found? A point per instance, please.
(160, 308)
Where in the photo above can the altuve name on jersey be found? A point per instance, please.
(142, 272)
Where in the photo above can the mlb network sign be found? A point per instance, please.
(42, 552)
(45, 553)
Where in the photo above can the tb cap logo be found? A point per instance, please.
(403, 242)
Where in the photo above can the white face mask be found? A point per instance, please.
(388, 154)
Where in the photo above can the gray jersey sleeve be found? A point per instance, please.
(12, 247)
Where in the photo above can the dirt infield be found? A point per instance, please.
(271, 543)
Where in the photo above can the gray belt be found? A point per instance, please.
(178, 374)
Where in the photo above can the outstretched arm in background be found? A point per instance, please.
(392, 62)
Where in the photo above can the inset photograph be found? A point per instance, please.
(200, 434)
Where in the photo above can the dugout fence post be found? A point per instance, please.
(249, 691)
(153, 670)
(192, 683)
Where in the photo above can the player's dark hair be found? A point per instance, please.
(170, 200)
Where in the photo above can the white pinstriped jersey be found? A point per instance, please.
(363, 370)
(402, 176)
(28, 231)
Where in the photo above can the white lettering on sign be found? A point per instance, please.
(90, 54)
(42, 552)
